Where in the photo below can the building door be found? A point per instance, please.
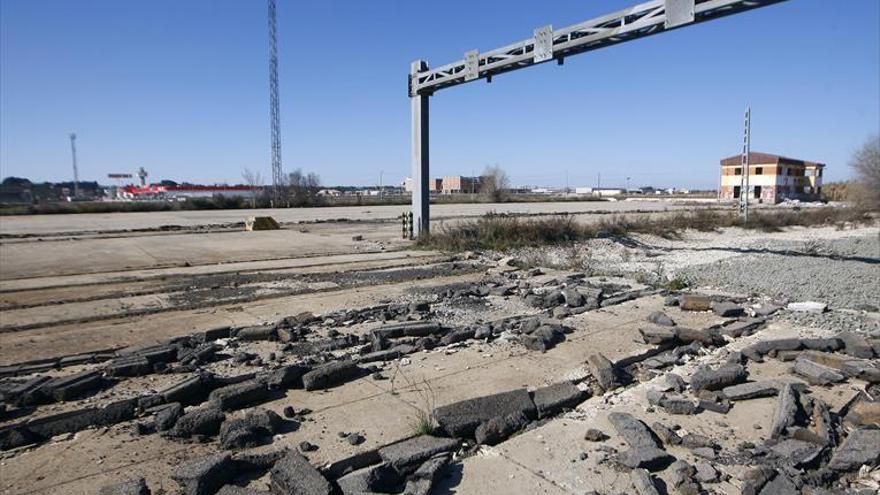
(736, 192)
(758, 192)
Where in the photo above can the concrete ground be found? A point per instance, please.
(91, 222)
(383, 411)
(69, 294)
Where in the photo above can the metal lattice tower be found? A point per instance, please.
(274, 106)
(75, 170)
(546, 45)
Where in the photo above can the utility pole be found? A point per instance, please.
(746, 160)
(566, 182)
(75, 171)
(274, 105)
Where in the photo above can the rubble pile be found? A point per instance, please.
(219, 386)
(811, 448)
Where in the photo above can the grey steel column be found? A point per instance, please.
(421, 195)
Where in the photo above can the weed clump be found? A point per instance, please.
(504, 232)
(675, 284)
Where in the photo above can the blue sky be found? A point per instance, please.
(181, 88)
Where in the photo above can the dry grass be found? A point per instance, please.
(502, 232)
(422, 421)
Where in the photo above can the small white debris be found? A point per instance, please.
(808, 307)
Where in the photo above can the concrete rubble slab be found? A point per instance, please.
(426, 476)
(861, 447)
(294, 474)
(408, 454)
(461, 419)
(808, 307)
(330, 375)
(204, 476)
(552, 399)
(130, 487)
(239, 395)
(719, 378)
(815, 373)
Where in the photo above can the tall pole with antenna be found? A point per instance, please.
(274, 106)
(75, 171)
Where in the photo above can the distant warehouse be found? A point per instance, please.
(772, 178)
(451, 184)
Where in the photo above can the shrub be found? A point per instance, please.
(501, 232)
(866, 162)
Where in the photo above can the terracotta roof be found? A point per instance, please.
(756, 157)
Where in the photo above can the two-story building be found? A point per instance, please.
(772, 178)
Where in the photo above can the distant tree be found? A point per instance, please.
(167, 182)
(866, 162)
(495, 184)
(254, 180)
(837, 191)
(16, 182)
(302, 189)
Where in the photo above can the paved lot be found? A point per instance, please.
(47, 224)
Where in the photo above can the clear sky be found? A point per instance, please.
(181, 88)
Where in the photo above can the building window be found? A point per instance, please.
(759, 170)
(737, 171)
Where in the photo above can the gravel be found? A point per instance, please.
(643, 254)
(836, 321)
(838, 267)
(844, 273)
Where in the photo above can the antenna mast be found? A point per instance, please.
(274, 110)
(75, 171)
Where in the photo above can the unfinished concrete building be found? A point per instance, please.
(772, 178)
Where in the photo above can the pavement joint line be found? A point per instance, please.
(108, 470)
(159, 290)
(206, 304)
(532, 472)
(166, 266)
(161, 275)
(236, 307)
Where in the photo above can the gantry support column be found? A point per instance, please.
(421, 194)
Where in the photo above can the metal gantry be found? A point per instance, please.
(274, 104)
(546, 44)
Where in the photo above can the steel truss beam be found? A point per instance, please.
(643, 20)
